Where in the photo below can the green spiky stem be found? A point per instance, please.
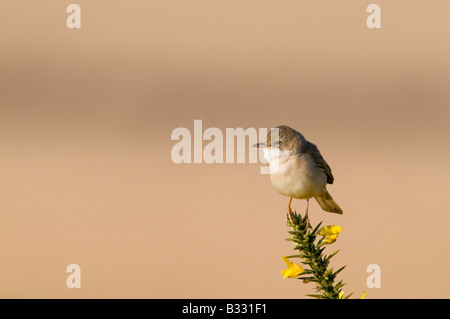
(311, 252)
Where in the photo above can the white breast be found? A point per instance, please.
(295, 176)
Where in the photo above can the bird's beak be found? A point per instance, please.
(260, 145)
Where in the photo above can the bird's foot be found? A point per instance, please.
(305, 220)
(290, 217)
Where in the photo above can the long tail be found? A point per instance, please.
(328, 204)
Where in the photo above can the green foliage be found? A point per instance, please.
(311, 251)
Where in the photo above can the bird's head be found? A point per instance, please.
(281, 140)
(282, 137)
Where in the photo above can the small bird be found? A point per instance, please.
(297, 169)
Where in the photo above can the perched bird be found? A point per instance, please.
(297, 169)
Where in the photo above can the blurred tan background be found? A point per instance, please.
(86, 118)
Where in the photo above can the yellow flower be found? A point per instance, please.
(330, 233)
(341, 295)
(294, 269)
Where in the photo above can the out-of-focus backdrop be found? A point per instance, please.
(86, 116)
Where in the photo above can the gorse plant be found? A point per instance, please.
(311, 243)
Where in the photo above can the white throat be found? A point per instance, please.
(274, 153)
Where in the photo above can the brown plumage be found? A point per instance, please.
(301, 171)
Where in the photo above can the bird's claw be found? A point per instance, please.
(290, 217)
(305, 220)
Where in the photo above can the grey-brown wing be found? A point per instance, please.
(320, 162)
